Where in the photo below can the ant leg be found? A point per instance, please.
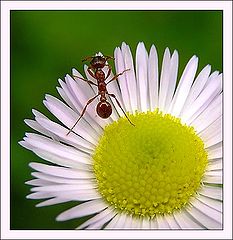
(118, 103)
(116, 76)
(109, 71)
(90, 72)
(85, 80)
(83, 111)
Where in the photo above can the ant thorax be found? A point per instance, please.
(100, 75)
(102, 87)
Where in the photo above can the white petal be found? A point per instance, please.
(62, 171)
(121, 221)
(103, 217)
(25, 145)
(211, 192)
(211, 77)
(136, 223)
(212, 203)
(215, 164)
(214, 173)
(173, 70)
(71, 139)
(79, 89)
(53, 179)
(172, 221)
(162, 222)
(215, 151)
(113, 222)
(82, 210)
(38, 114)
(40, 195)
(197, 87)
(68, 117)
(128, 222)
(168, 80)
(75, 104)
(154, 224)
(153, 79)
(97, 225)
(56, 148)
(52, 201)
(186, 221)
(141, 73)
(120, 67)
(38, 182)
(204, 219)
(164, 79)
(215, 138)
(207, 212)
(184, 86)
(211, 179)
(63, 187)
(213, 133)
(130, 76)
(36, 126)
(64, 96)
(78, 195)
(204, 99)
(145, 223)
(209, 115)
(59, 160)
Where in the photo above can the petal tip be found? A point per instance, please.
(34, 112)
(21, 143)
(32, 165)
(60, 218)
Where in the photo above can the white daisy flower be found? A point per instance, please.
(163, 173)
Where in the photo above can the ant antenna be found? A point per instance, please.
(87, 58)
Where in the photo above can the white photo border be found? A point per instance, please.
(6, 7)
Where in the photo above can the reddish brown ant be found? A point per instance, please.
(95, 69)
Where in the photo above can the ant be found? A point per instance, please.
(95, 69)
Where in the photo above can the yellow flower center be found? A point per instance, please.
(152, 168)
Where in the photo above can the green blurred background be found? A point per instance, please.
(45, 45)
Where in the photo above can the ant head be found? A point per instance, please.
(106, 57)
(99, 61)
(98, 58)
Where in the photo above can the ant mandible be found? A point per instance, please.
(95, 69)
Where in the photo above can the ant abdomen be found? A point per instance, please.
(104, 109)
